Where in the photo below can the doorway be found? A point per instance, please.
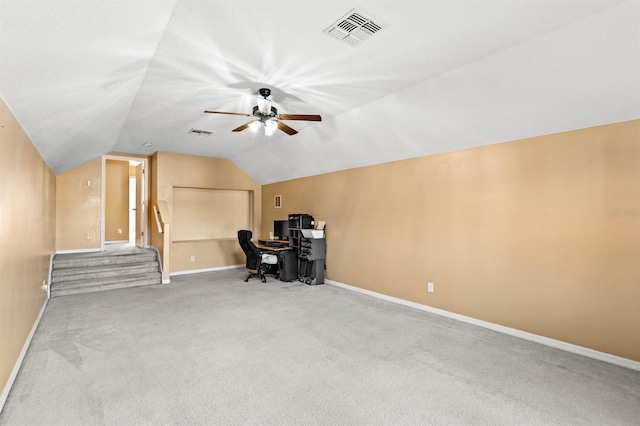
(125, 190)
(132, 209)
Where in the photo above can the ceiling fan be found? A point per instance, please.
(267, 116)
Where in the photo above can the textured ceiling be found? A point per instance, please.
(88, 77)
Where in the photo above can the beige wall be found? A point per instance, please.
(27, 219)
(116, 214)
(155, 238)
(177, 170)
(542, 234)
(78, 207)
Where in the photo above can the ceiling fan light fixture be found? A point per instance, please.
(264, 106)
(270, 127)
(254, 126)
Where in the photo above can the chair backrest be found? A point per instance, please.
(249, 249)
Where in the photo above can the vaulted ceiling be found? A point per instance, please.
(88, 77)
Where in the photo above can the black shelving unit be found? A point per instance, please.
(313, 252)
(310, 252)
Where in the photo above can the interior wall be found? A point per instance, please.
(27, 220)
(209, 214)
(156, 239)
(78, 207)
(540, 234)
(189, 171)
(116, 215)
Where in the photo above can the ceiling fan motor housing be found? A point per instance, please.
(264, 92)
(263, 116)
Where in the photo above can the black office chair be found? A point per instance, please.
(257, 261)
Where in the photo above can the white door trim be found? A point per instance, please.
(145, 201)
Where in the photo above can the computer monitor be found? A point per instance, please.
(281, 229)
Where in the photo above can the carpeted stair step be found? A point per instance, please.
(115, 270)
(107, 283)
(74, 273)
(62, 262)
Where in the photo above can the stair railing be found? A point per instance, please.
(163, 221)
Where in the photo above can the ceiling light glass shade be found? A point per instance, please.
(270, 127)
(264, 106)
(254, 126)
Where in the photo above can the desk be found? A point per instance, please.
(287, 261)
(269, 248)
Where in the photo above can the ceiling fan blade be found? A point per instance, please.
(244, 126)
(303, 117)
(228, 113)
(288, 130)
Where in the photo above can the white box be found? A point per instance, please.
(313, 233)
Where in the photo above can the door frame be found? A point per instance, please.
(145, 201)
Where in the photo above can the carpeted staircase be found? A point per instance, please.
(88, 272)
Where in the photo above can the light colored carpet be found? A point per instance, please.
(212, 349)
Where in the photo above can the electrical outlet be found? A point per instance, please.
(193, 258)
(119, 230)
(430, 287)
(44, 285)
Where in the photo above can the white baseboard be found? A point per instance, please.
(77, 251)
(558, 344)
(197, 271)
(18, 364)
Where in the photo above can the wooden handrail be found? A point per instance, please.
(163, 220)
(158, 219)
(162, 214)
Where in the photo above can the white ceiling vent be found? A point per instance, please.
(355, 27)
(200, 132)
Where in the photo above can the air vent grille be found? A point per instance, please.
(200, 132)
(354, 27)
